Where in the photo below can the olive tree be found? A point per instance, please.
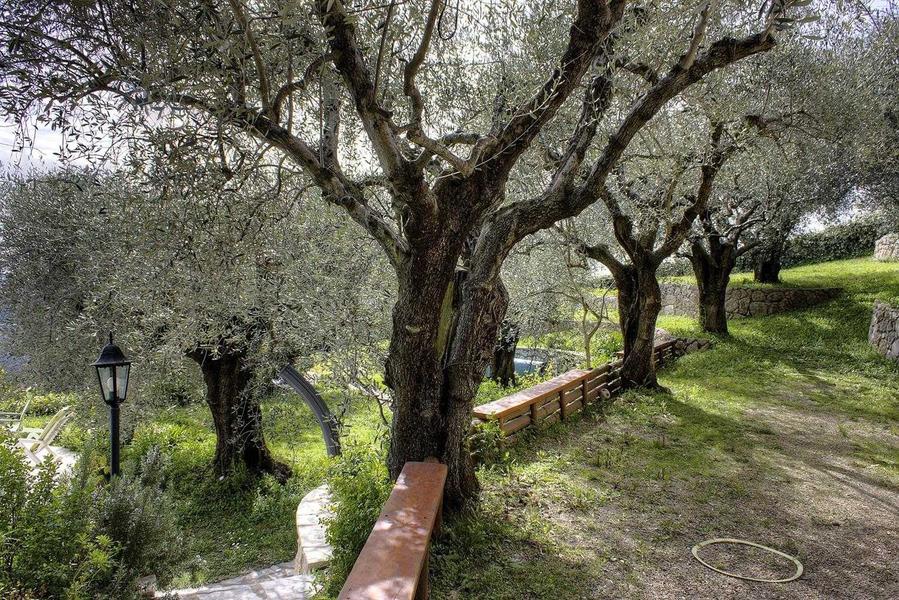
(221, 270)
(552, 288)
(417, 120)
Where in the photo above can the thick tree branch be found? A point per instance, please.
(408, 181)
(602, 254)
(589, 31)
(597, 97)
(525, 217)
(261, 71)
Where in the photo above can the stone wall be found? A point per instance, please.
(887, 247)
(884, 331)
(682, 299)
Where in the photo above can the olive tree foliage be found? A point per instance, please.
(839, 150)
(53, 255)
(426, 122)
(661, 187)
(552, 289)
(876, 59)
(799, 158)
(230, 272)
(747, 208)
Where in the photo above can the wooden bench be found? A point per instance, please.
(560, 396)
(393, 564)
(551, 400)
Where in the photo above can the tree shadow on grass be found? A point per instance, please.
(679, 474)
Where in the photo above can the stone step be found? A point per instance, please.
(313, 550)
(295, 587)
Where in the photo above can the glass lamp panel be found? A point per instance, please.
(122, 381)
(106, 374)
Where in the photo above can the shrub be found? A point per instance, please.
(48, 547)
(849, 240)
(485, 442)
(80, 538)
(13, 399)
(359, 485)
(136, 514)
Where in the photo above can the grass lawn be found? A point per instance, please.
(786, 434)
(238, 523)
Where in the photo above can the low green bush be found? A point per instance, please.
(136, 513)
(848, 240)
(359, 485)
(81, 537)
(485, 443)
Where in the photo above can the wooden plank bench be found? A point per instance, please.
(561, 396)
(393, 564)
(520, 401)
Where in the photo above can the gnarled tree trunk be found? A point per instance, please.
(503, 366)
(768, 263)
(712, 312)
(443, 336)
(236, 415)
(639, 304)
(712, 270)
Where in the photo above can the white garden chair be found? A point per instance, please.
(15, 421)
(38, 441)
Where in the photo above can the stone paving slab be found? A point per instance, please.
(297, 587)
(313, 550)
(272, 583)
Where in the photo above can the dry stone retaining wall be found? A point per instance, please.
(884, 331)
(681, 299)
(887, 247)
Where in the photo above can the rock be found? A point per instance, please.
(147, 586)
(662, 336)
(883, 334)
(887, 248)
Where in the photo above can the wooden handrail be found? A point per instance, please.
(393, 564)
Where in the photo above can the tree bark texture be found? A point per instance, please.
(236, 416)
(445, 325)
(639, 304)
(712, 269)
(503, 367)
(768, 263)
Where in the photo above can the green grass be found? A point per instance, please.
(553, 524)
(238, 523)
(535, 533)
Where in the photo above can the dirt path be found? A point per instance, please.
(793, 484)
(610, 506)
(785, 434)
(805, 494)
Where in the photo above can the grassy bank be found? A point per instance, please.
(786, 433)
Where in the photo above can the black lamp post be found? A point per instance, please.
(112, 371)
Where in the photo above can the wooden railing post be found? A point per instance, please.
(562, 412)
